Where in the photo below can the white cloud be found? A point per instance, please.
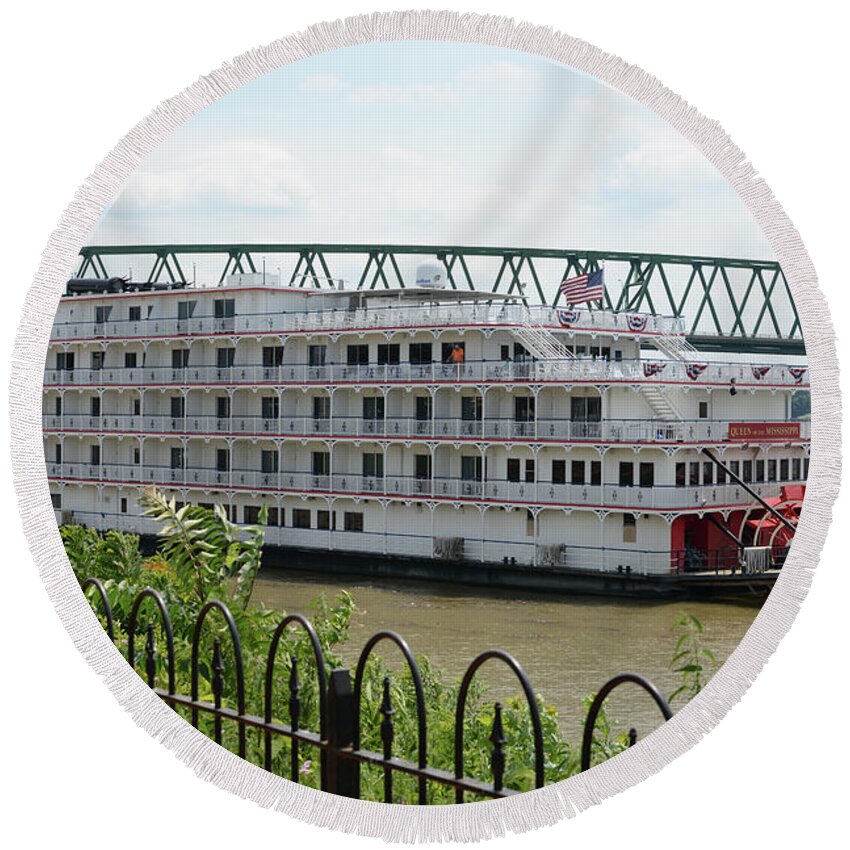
(325, 84)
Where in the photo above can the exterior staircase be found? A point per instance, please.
(675, 347)
(660, 404)
(539, 340)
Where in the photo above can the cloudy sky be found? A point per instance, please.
(432, 143)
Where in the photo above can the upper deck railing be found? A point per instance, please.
(323, 318)
(727, 303)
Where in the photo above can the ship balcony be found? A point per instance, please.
(541, 493)
(620, 431)
(375, 318)
(570, 371)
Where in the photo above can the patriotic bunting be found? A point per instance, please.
(650, 369)
(797, 372)
(694, 370)
(637, 323)
(568, 317)
(760, 371)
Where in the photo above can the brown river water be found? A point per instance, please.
(568, 646)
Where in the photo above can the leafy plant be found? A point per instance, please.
(691, 659)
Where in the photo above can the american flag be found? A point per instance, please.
(584, 288)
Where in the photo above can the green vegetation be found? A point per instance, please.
(203, 556)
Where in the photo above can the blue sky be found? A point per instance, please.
(430, 142)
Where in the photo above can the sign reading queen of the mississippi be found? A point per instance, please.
(744, 431)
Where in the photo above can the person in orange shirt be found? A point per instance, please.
(456, 355)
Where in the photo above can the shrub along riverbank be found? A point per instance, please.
(203, 556)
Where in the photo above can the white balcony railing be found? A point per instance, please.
(626, 431)
(372, 318)
(604, 496)
(576, 370)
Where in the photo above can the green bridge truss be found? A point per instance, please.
(728, 304)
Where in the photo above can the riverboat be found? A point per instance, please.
(439, 433)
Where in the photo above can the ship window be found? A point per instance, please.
(224, 308)
(703, 410)
(270, 407)
(595, 473)
(134, 314)
(748, 471)
(521, 352)
(513, 469)
(272, 356)
(185, 309)
(524, 409)
(123, 505)
(586, 408)
(627, 473)
(805, 467)
(647, 475)
(618, 355)
(321, 463)
(94, 405)
(629, 528)
(97, 358)
(131, 359)
(424, 408)
(57, 453)
(771, 470)
(759, 470)
(594, 351)
(795, 469)
(137, 456)
(783, 469)
(269, 461)
(57, 405)
(389, 353)
(681, 474)
(101, 314)
(56, 501)
(735, 467)
(721, 475)
(353, 521)
(224, 357)
(222, 407)
(177, 458)
(581, 350)
(420, 353)
(357, 355)
(559, 472)
(321, 407)
(178, 407)
(470, 467)
(529, 523)
(323, 520)
(504, 353)
(470, 408)
(708, 472)
(373, 407)
(693, 478)
(137, 407)
(447, 351)
(179, 358)
(250, 514)
(65, 360)
(300, 518)
(373, 465)
(529, 472)
(422, 466)
(577, 472)
(274, 516)
(222, 460)
(316, 354)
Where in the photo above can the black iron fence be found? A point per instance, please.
(340, 697)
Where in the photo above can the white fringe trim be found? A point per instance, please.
(430, 823)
